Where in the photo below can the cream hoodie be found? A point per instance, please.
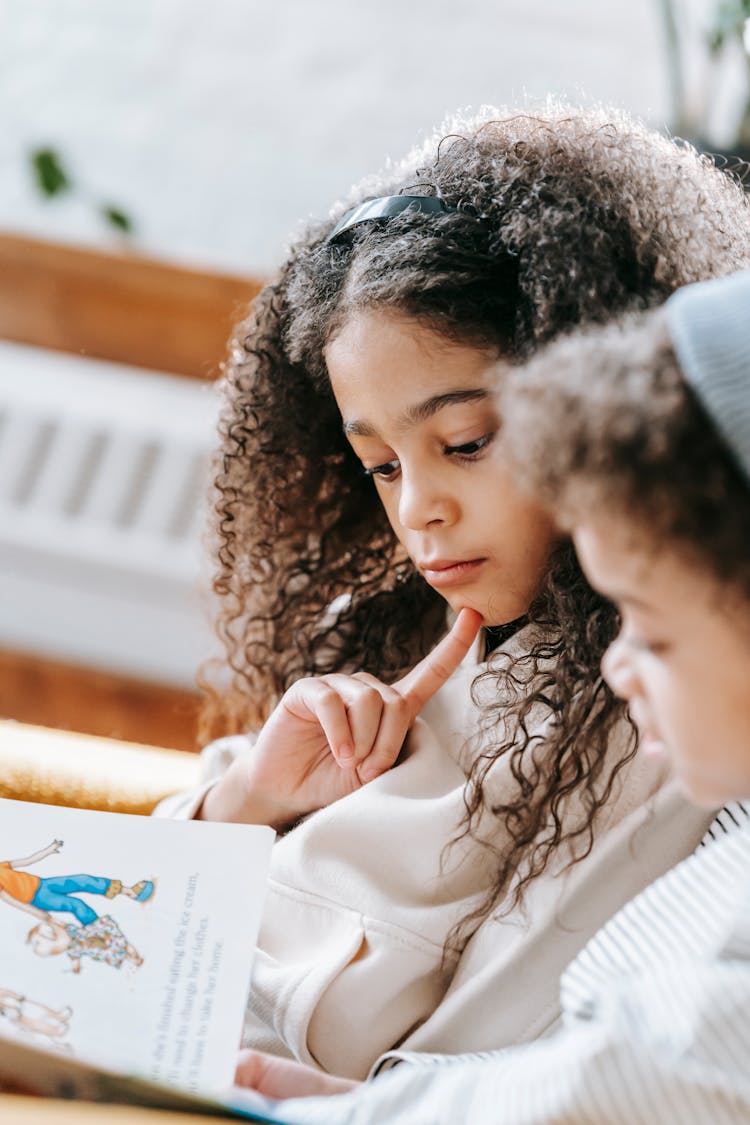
(363, 894)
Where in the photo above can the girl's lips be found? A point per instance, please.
(440, 574)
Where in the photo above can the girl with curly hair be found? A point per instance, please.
(637, 435)
(433, 905)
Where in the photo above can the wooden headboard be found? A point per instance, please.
(121, 307)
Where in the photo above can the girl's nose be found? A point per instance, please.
(423, 501)
(618, 671)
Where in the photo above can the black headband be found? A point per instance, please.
(384, 208)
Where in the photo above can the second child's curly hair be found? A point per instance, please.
(631, 440)
(563, 217)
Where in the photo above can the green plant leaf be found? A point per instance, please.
(118, 219)
(51, 178)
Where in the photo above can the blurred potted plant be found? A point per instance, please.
(708, 46)
(52, 179)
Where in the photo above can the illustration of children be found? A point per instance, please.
(101, 940)
(32, 1016)
(44, 897)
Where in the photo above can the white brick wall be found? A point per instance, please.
(219, 124)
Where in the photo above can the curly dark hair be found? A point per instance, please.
(562, 218)
(631, 439)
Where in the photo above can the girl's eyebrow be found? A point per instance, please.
(424, 410)
(421, 411)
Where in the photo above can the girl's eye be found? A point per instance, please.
(469, 449)
(386, 471)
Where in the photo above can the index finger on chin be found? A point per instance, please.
(419, 685)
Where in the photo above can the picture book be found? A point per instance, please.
(126, 947)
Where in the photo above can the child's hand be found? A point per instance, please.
(282, 1078)
(330, 735)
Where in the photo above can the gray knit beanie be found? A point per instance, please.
(710, 328)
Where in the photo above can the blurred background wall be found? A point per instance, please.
(155, 158)
(220, 124)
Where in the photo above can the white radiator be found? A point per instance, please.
(103, 481)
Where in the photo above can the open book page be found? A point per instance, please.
(126, 942)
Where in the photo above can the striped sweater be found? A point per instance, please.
(656, 1022)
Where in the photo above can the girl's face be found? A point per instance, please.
(419, 413)
(681, 660)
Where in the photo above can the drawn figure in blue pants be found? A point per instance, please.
(44, 897)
